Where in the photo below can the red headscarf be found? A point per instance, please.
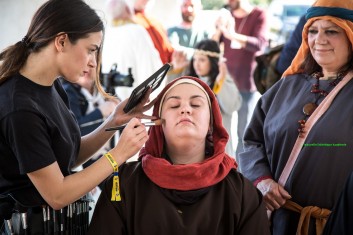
(189, 176)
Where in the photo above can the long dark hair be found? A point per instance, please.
(73, 17)
(310, 66)
(207, 45)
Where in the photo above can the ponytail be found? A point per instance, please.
(12, 59)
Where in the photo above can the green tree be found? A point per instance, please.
(217, 4)
(212, 4)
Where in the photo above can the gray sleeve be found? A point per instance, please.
(229, 98)
(253, 161)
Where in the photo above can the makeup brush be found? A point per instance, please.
(151, 123)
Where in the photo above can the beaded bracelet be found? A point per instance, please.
(116, 187)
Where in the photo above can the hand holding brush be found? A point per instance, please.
(146, 124)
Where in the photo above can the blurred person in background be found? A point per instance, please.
(243, 33)
(155, 29)
(90, 108)
(128, 45)
(185, 35)
(291, 47)
(208, 65)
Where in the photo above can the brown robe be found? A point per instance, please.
(232, 206)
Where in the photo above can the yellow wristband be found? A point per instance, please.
(111, 161)
(116, 186)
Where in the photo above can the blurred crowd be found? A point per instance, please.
(239, 29)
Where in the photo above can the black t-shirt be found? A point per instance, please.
(36, 129)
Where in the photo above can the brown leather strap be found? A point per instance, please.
(319, 214)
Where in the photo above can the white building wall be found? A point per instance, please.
(15, 16)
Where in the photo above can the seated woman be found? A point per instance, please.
(183, 182)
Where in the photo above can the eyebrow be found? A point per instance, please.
(327, 27)
(178, 97)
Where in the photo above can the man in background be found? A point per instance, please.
(243, 32)
(155, 30)
(185, 35)
(291, 47)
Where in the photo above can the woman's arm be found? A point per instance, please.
(229, 97)
(59, 190)
(253, 161)
(179, 65)
(92, 142)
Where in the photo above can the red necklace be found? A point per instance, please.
(310, 107)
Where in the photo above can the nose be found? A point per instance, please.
(92, 63)
(190, 9)
(321, 37)
(185, 109)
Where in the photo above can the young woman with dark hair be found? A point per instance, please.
(40, 140)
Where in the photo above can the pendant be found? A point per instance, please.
(309, 108)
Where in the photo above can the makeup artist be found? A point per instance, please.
(184, 182)
(298, 145)
(39, 138)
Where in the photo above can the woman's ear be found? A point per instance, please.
(60, 41)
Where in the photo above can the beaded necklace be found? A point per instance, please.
(310, 107)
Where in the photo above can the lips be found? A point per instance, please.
(183, 120)
(323, 50)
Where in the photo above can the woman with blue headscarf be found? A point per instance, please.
(297, 145)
